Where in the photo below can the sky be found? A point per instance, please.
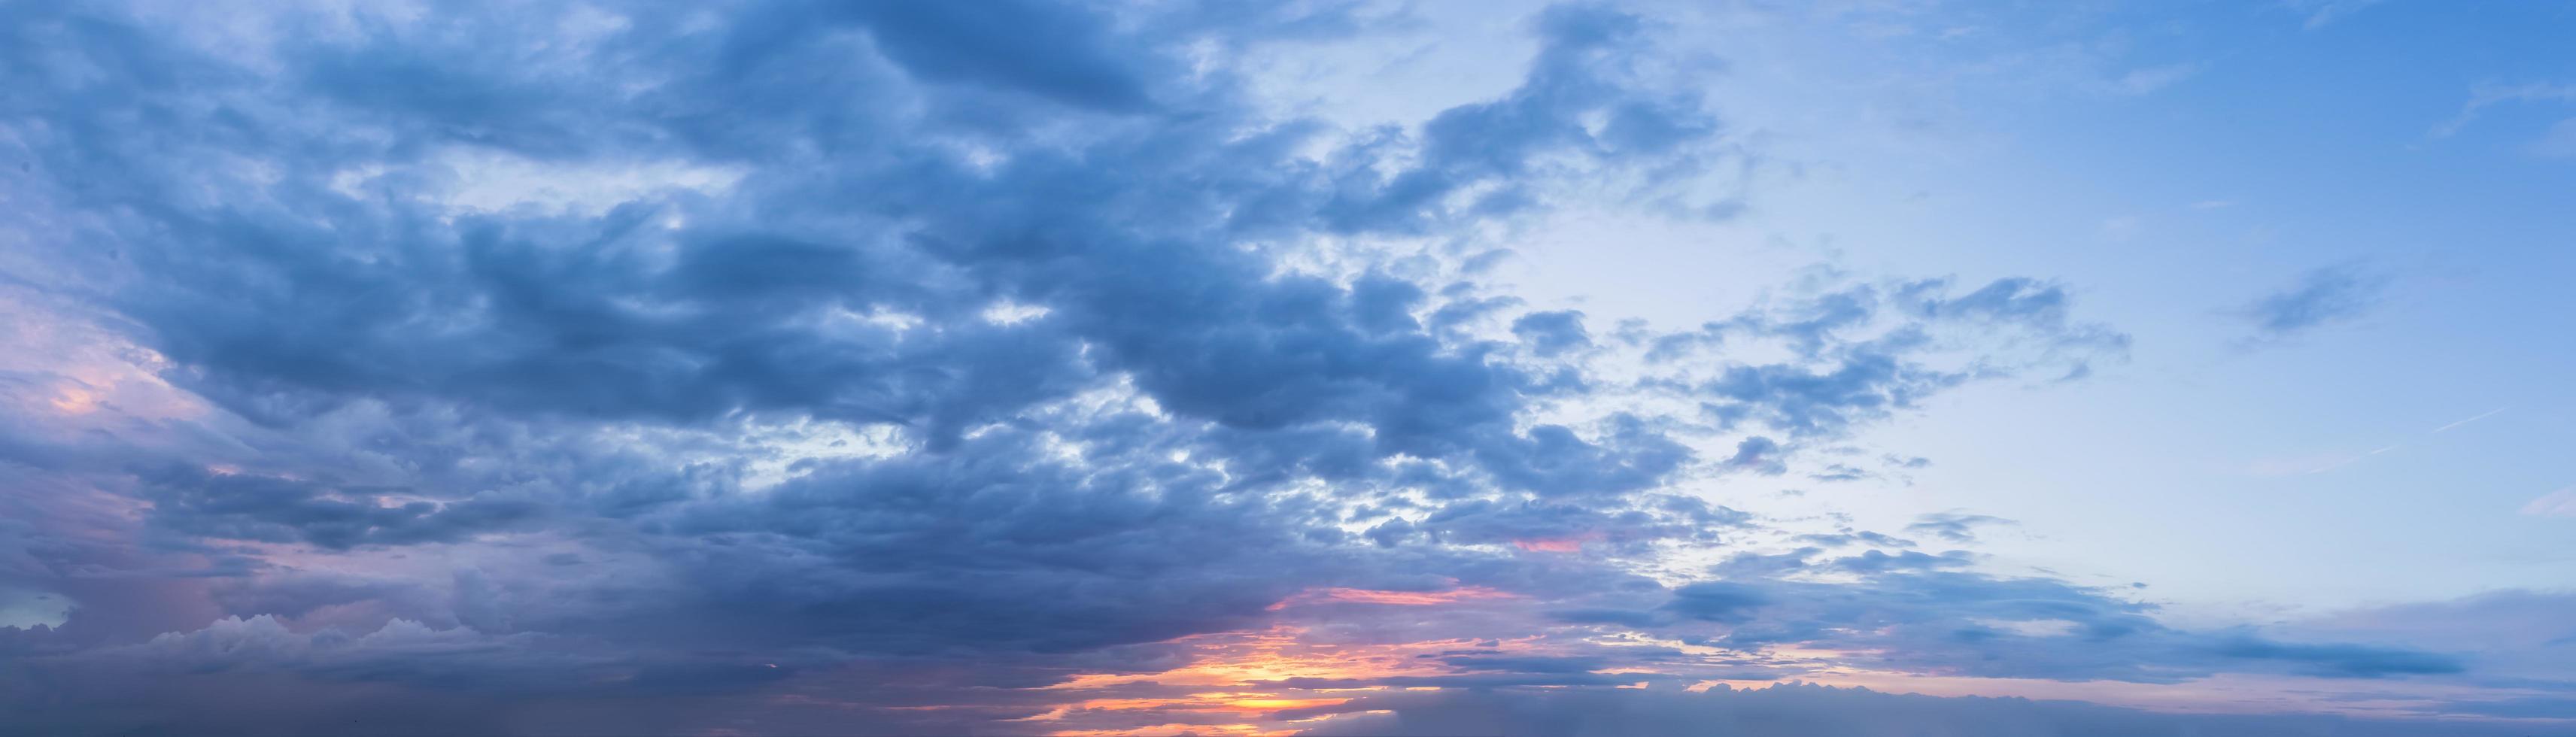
(1337, 368)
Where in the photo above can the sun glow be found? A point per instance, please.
(1393, 598)
(1247, 675)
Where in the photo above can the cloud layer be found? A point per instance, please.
(996, 367)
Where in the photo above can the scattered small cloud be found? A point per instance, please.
(2321, 297)
(1955, 527)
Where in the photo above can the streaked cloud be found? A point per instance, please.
(2560, 503)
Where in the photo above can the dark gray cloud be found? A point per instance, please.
(238, 506)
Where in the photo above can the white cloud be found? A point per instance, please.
(2560, 503)
(2559, 142)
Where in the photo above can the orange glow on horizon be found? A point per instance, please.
(1241, 673)
(1276, 704)
(1248, 730)
(1393, 598)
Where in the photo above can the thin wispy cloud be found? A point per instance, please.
(2321, 297)
(2487, 95)
(2480, 416)
(2324, 12)
(2334, 461)
(2560, 503)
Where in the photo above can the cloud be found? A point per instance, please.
(1953, 526)
(960, 44)
(2322, 297)
(652, 385)
(1552, 333)
(2559, 142)
(276, 509)
(2487, 95)
(401, 650)
(1808, 709)
(1864, 352)
(1914, 612)
(2480, 416)
(803, 368)
(2340, 660)
(1873, 561)
(1758, 454)
(1850, 537)
(2323, 12)
(2560, 503)
(2146, 80)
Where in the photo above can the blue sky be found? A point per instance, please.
(1329, 368)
